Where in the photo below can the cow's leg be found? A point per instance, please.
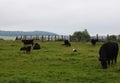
(115, 60)
(109, 62)
(112, 61)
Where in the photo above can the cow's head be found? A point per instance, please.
(103, 62)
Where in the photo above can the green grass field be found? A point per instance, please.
(55, 63)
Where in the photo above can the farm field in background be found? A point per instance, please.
(55, 63)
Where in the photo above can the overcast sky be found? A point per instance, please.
(63, 17)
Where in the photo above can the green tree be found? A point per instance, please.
(81, 35)
(113, 37)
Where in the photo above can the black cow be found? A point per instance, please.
(27, 42)
(67, 43)
(36, 46)
(26, 48)
(108, 52)
(93, 41)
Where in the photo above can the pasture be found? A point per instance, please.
(55, 63)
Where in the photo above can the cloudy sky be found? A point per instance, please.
(61, 16)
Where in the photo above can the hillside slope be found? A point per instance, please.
(33, 33)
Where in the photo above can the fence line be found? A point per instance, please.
(43, 38)
(62, 37)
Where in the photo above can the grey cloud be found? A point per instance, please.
(58, 15)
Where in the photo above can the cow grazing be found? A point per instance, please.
(28, 42)
(108, 52)
(27, 49)
(93, 41)
(36, 46)
(67, 43)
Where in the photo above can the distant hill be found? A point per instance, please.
(29, 33)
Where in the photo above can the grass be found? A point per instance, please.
(54, 63)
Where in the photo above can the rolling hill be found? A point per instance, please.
(33, 33)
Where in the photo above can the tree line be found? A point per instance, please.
(76, 36)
